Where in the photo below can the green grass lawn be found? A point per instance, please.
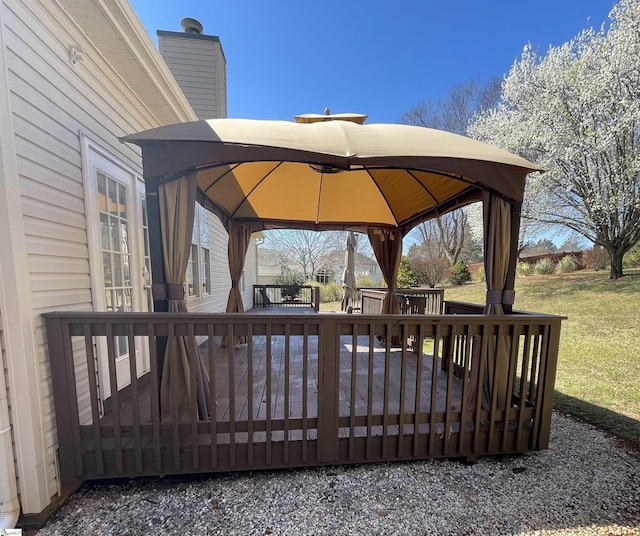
(598, 375)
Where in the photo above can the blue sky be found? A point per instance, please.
(289, 57)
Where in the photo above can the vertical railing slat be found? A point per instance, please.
(93, 386)
(305, 392)
(287, 394)
(522, 406)
(268, 380)
(195, 448)
(403, 388)
(250, 417)
(513, 360)
(491, 440)
(135, 398)
(418, 398)
(115, 402)
(466, 363)
(173, 388)
(480, 349)
(353, 397)
(433, 410)
(386, 395)
(232, 394)
(155, 397)
(213, 410)
(370, 392)
(448, 345)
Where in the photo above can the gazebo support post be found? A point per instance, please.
(516, 209)
(156, 251)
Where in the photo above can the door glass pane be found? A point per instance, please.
(146, 267)
(102, 193)
(122, 201)
(116, 261)
(113, 196)
(115, 237)
(106, 266)
(104, 231)
(117, 270)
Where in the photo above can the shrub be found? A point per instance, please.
(406, 277)
(291, 281)
(567, 264)
(544, 267)
(480, 276)
(331, 292)
(524, 269)
(460, 273)
(290, 277)
(596, 258)
(366, 281)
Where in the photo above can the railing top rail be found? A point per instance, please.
(257, 318)
(284, 286)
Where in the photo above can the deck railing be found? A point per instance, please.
(416, 301)
(286, 296)
(304, 390)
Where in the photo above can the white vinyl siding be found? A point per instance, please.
(52, 103)
(220, 281)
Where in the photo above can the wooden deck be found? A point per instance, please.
(371, 367)
(305, 390)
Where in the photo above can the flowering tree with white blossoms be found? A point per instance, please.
(576, 112)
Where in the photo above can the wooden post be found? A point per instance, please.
(549, 380)
(158, 274)
(64, 388)
(328, 391)
(156, 250)
(516, 209)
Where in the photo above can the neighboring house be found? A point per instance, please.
(367, 267)
(74, 77)
(554, 256)
(270, 267)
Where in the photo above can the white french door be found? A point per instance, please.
(119, 255)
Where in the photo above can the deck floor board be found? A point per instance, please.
(258, 390)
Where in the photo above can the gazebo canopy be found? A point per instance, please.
(329, 174)
(322, 175)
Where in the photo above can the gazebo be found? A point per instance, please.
(481, 382)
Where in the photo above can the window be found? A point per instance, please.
(198, 276)
(146, 266)
(192, 271)
(205, 271)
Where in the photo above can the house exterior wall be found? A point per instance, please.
(48, 106)
(199, 66)
(216, 301)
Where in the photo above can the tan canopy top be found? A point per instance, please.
(329, 174)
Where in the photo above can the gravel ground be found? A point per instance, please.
(583, 484)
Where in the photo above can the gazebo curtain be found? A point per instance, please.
(239, 238)
(497, 215)
(176, 200)
(387, 247)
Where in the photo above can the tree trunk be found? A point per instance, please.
(616, 265)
